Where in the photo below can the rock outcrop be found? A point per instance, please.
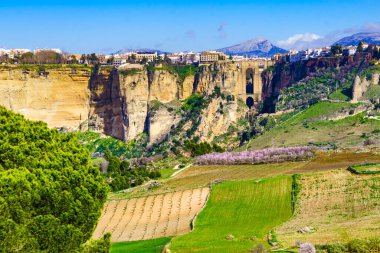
(361, 85)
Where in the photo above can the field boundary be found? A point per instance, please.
(355, 169)
(192, 224)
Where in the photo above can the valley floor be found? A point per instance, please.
(247, 202)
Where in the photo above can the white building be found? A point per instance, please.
(4, 51)
(17, 52)
(347, 51)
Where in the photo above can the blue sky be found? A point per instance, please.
(107, 26)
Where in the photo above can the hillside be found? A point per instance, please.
(355, 39)
(325, 124)
(253, 48)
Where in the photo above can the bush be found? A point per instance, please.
(197, 149)
(259, 249)
(354, 246)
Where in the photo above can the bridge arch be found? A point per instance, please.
(249, 74)
(249, 102)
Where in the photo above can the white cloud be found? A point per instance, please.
(300, 41)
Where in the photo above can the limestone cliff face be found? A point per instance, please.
(217, 117)
(164, 86)
(226, 76)
(118, 103)
(187, 87)
(134, 97)
(161, 122)
(60, 97)
(106, 112)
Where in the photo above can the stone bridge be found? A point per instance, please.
(252, 81)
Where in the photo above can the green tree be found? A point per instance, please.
(360, 47)
(336, 49)
(50, 195)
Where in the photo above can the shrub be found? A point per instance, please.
(369, 142)
(354, 246)
(258, 249)
(357, 246)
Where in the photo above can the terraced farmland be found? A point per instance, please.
(149, 217)
(341, 206)
(238, 216)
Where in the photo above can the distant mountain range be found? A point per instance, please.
(142, 50)
(253, 48)
(355, 39)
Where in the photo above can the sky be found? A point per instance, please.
(197, 25)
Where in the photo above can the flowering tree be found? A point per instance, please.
(271, 155)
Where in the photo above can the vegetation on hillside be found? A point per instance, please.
(50, 195)
(313, 88)
(182, 138)
(182, 71)
(120, 174)
(326, 125)
(96, 143)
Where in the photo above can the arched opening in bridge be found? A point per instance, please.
(249, 102)
(249, 81)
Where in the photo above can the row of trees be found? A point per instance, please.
(120, 174)
(49, 57)
(271, 155)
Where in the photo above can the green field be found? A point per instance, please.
(343, 94)
(148, 246)
(312, 126)
(248, 210)
(372, 168)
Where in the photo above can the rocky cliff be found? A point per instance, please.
(119, 103)
(361, 85)
(285, 75)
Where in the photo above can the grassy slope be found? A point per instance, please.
(307, 126)
(248, 210)
(148, 246)
(341, 206)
